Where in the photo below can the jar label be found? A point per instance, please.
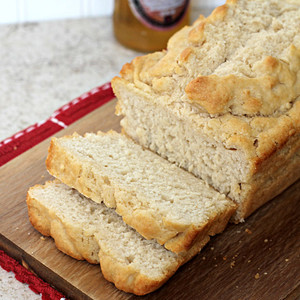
(159, 14)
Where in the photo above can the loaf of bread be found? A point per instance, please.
(88, 230)
(223, 100)
(155, 197)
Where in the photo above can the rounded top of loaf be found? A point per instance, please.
(236, 73)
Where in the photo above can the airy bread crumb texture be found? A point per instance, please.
(87, 229)
(155, 197)
(242, 59)
(223, 100)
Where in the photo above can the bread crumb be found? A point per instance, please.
(266, 240)
(232, 264)
(248, 231)
(43, 176)
(25, 265)
(249, 260)
(286, 259)
(224, 257)
(212, 248)
(42, 238)
(256, 276)
(28, 233)
(203, 258)
(238, 231)
(265, 273)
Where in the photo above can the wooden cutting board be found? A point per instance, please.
(259, 259)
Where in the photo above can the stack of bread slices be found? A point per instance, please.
(212, 133)
(143, 218)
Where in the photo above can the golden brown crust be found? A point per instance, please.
(277, 173)
(124, 275)
(58, 161)
(79, 175)
(147, 224)
(197, 33)
(258, 137)
(65, 237)
(128, 279)
(261, 100)
(193, 235)
(262, 95)
(39, 222)
(263, 139)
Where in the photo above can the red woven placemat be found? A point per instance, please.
(23, 275)
(31, 136)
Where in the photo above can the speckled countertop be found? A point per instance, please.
(45, 65)
(42, 67)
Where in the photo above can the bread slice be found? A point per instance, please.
(158, 199)
(223, 101)
(88, 230)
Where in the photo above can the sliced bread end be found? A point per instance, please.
(132, 263)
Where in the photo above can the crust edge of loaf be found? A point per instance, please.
(282, 176)
(287, 136)
(183, 241)
(122, 276)
(49, 224)
(127, 279)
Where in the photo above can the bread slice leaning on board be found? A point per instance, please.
(88, 230)
(155, 197)
(223, 101)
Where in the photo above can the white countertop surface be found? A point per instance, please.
(42, 67)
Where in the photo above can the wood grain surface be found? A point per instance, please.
(259, 259)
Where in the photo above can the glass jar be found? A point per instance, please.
(147, 25)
